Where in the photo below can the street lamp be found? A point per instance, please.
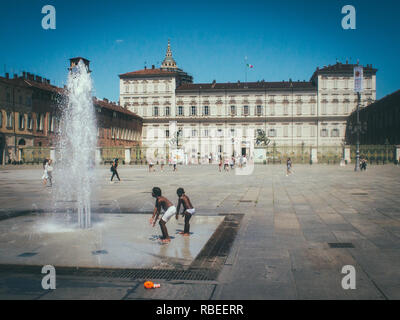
(178, 133)
(358, 128)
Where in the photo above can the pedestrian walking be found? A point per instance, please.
(114, 171)
(288, 166)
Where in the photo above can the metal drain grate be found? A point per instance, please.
(360, 194)
(341, 245)
(99, 252)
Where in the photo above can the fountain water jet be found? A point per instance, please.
(77, 145)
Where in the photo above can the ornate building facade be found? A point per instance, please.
(222, 119)
(30, 114)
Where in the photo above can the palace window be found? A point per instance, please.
(167, 111)
(167, 133)
(180, 111)
(8, 97)
(324, 132)
(194, 133)
(335, 132)
(285, 109)
(246, 110)
(299, 111)
(232, 133)
(1, 119)
(155, 87)
(272, 109)
(9, 120)
(233, 111)
(206, 132)
(21, 121)
(286, 131)
(299, 131)
(205, 110)
(323, 108)
(155, 111)
(126, 88)
(312, 131)
(335, 108)
(193, 111)
(272, 133)
(259, 110)
(51, 123)
(39, 121)
(220, 133)
(29, 123)
(313, 109)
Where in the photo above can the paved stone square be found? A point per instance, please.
(281, 250)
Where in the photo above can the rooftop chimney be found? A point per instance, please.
(152, 66)
(7, 75)
(15, 76)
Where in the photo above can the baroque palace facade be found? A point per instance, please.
(221, 119)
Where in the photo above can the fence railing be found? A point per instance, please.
(375, 154)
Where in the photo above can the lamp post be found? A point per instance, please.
(358, 129)
(178, 133)
(358, 88)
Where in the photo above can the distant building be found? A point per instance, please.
(30, 114)
(380, 122)
(222, 119)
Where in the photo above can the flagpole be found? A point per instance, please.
(245, 69)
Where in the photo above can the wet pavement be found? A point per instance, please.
(296, 234)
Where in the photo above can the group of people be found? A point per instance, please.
(169, 210)
(231, 163)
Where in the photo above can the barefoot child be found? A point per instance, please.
(188, 210)
(169, 209)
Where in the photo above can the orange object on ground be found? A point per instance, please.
(149, 285)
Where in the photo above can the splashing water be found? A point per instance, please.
(77, 145)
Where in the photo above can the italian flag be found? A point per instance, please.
(250, 66)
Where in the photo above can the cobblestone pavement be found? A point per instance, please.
(282, 247)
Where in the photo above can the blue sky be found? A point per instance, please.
(209, 39)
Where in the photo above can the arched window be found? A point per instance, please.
(21, 142)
